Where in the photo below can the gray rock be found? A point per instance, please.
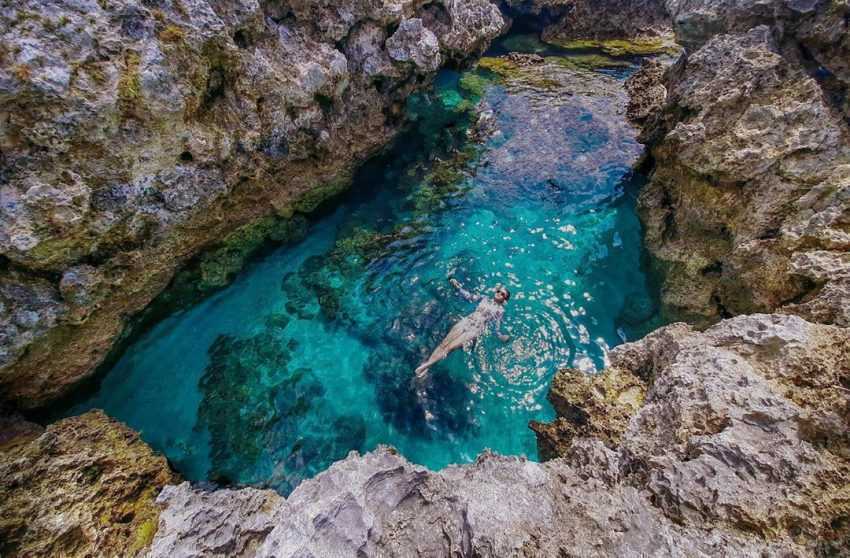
(751, 167)
(414, 43)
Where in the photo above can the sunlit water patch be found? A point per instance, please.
(310, 353)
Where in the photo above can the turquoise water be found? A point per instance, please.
(309, 353)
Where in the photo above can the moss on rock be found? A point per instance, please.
(313, 198)
(129, 84)
(637, 46)
(474, 84)
(588, 61)
(218, 266)
(499, 65)
(85, 487)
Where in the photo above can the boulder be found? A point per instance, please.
(84, 486)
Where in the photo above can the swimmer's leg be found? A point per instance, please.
(440, 353)
(462, 333)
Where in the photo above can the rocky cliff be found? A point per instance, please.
(747, 209)
(137, 134)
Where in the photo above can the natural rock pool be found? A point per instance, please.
(310, 352)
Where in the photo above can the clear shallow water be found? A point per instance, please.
(309, 353)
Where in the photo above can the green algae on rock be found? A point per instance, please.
(218, 266)
(637, 46)
(85, 486)
(194, 122)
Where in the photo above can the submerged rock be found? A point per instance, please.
(85, 486)
(269, 423)
(138, 135)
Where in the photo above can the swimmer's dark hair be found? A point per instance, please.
(507, 293)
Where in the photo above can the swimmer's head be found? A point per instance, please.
(502, 295)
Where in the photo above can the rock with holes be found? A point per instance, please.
(745, 425)
(85, 486)
(751, 156)
(816, 27)
(379, 504)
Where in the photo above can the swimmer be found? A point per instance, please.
(470, 328)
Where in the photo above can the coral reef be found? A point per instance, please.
(253, 401)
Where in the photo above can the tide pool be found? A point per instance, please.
(515, 173)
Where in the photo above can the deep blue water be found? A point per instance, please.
(310, 352)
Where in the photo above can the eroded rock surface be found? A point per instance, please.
(137, 134)
(733, 441)
(598, 406)
(596, 19)
(749, 204)
(85, 486)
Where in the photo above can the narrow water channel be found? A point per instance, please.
(514, 173)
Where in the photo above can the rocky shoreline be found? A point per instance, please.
(729, 436)
(729, 455)
(138, 136)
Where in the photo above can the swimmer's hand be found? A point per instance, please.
(504, 338)
(455, 283)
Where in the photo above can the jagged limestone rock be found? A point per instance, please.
(598, 406)
(751, 154)
(745, 425)
(85, 486)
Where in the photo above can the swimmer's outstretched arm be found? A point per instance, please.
(471, 297)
